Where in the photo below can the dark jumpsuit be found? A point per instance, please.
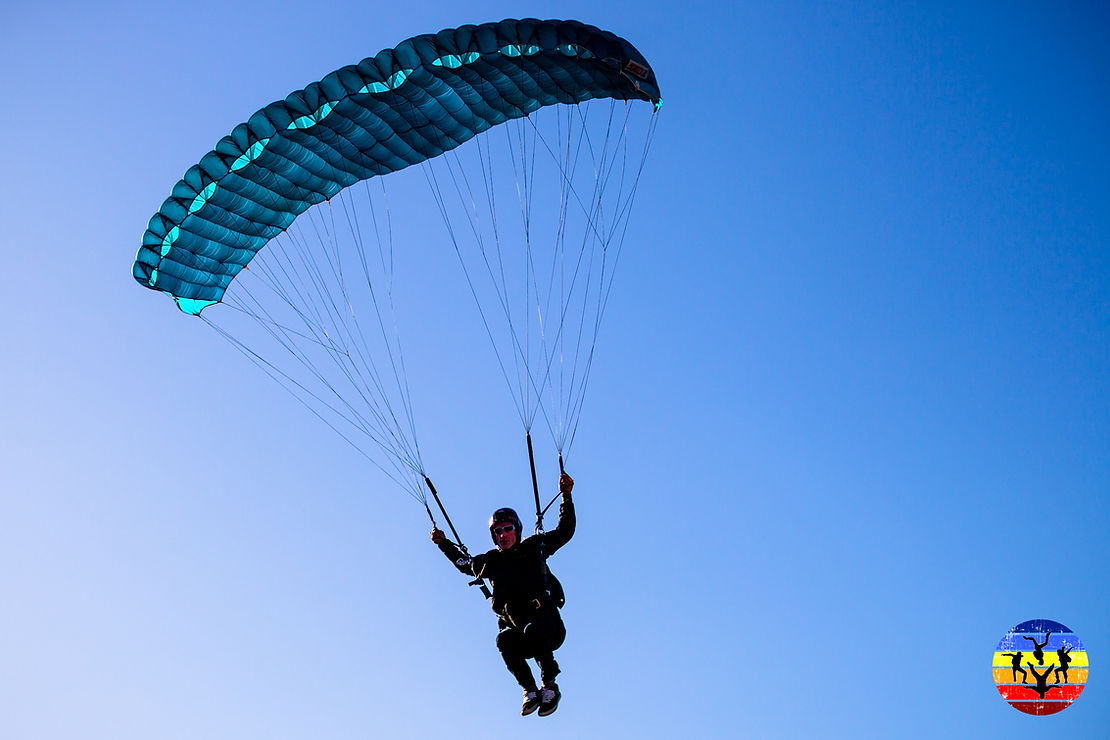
(528, 616)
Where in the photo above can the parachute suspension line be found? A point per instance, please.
(555, 350)
(597, 223)
(524, 194)
(397, 363)
(486, 162)
(551, 351)
(390, 340)
(357, 340)
(287, 338)
(441, 204)
(567, 161)
(523, 160)
(566, 288)
(622, 221)
(605, 228)
(591, 225)
(519, 148)
(524, 155)
(498, 279)
(351, 415)
(407, 393)
(568, 164)
(437, 195)
(285, 381)
(526, 379)
(319, 280)
(524, 168)
(347, 334)
(395, 354)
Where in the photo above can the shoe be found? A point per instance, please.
(549, 699)
(531, 702)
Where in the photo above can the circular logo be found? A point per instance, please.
(1040, 667)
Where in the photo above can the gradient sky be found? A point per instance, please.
(849, 423)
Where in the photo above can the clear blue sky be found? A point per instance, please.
(850, 421)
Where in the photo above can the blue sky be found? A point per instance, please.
(848, 424)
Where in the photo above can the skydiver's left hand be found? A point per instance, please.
(438, 536)
(566, 484)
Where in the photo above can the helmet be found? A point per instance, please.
(505, 515)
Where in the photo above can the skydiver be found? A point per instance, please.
(1042, 686)
(1065, 659)
(1038, 653)
(1015, 665)
(526, 597)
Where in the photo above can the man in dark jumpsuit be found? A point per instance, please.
(527, 613)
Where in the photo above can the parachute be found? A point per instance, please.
(274, 203)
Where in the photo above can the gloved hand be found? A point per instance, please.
(438, 536)
(566, 484)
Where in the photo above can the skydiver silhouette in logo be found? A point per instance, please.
(1042, 686)
(1015, 665)
(1038, 652)
(1062, 653)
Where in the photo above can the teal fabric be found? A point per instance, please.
(403, 106)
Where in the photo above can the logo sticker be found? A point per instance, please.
(637, 69)
(1040, 667)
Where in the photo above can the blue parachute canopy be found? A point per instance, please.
(403, 106)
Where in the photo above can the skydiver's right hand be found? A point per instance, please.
(438, 536)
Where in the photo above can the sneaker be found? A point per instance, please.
(549, 699)
(531, 702)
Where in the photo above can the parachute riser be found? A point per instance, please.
(481, 584)
(536, 486)
(562, 471)
(535, 483)
(435, 495)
